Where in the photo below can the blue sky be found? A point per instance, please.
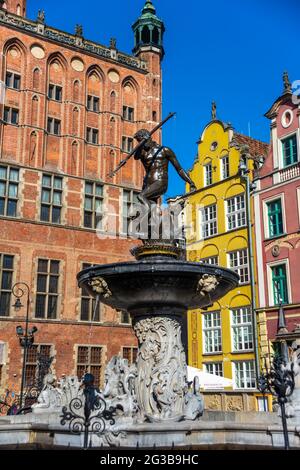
(230, 51)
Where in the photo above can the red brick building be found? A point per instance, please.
(277, 218)
(69, 107)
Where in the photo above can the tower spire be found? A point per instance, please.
(148, 31)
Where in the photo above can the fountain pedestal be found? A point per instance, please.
(157, 290)
(161, 366)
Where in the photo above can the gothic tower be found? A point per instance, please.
(148, 31)
(148, 46)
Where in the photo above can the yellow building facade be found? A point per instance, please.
(220, 339)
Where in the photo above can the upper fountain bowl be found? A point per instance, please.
(158, 282)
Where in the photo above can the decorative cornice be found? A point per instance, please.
(71, 40)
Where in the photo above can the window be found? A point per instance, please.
(236, 212)
(244, 374)
(125, 318)
(47, 289)
(212, 332)
(89, 361)
(34, 354)
(209, 225)
(242, 329)
(215, 368)
(275, 218)
(93, 103)
(208, 174)
(55, 92)
(127, 144)
(238, 261)
(11, 115)
(128, 113)
(93, 205)
(130, 354)
(13, 80)
(54, 126)
(6, 279)
(289, 150)
(92, 135)
(51, 199)
(88, 304)
(225, 173)
(279, 282)
(9, 189)
(129, 199)
(212, 260)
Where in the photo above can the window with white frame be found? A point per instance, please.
(207, 174)
(212, 332)
(238, 261)
(242, 330)
(236, 212)
(215, 368)
(225, 172)
(289, 150)
(209, 224)
(244, 374)
(211, 260)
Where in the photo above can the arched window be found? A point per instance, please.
(113, 98)
(146, 34)
(74, 157)
(19, 9)
(32, 147)
(112, 131)
(76, 91)
(155, 35)
(75, 121)
(34, 111)
(36, 79)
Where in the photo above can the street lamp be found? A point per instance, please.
(280, 382)
(26, 337)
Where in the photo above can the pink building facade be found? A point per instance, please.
(277, 220)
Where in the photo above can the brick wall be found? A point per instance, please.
(30, 148)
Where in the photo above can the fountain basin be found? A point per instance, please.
(158, 282)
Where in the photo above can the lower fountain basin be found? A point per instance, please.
(158, 282)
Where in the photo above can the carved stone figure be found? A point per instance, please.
(207, 284)
(213, 111)
(113, 43)
(50, 397)
(41, 17)
(161, 367)
(194, 403)
(293, 405)
(119, 386)
(79, 30)
(70, 388)
(100, 286)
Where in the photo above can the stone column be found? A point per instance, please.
(161, 367)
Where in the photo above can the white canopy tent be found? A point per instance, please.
(208, 381)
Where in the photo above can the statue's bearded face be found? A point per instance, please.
(142, 135)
